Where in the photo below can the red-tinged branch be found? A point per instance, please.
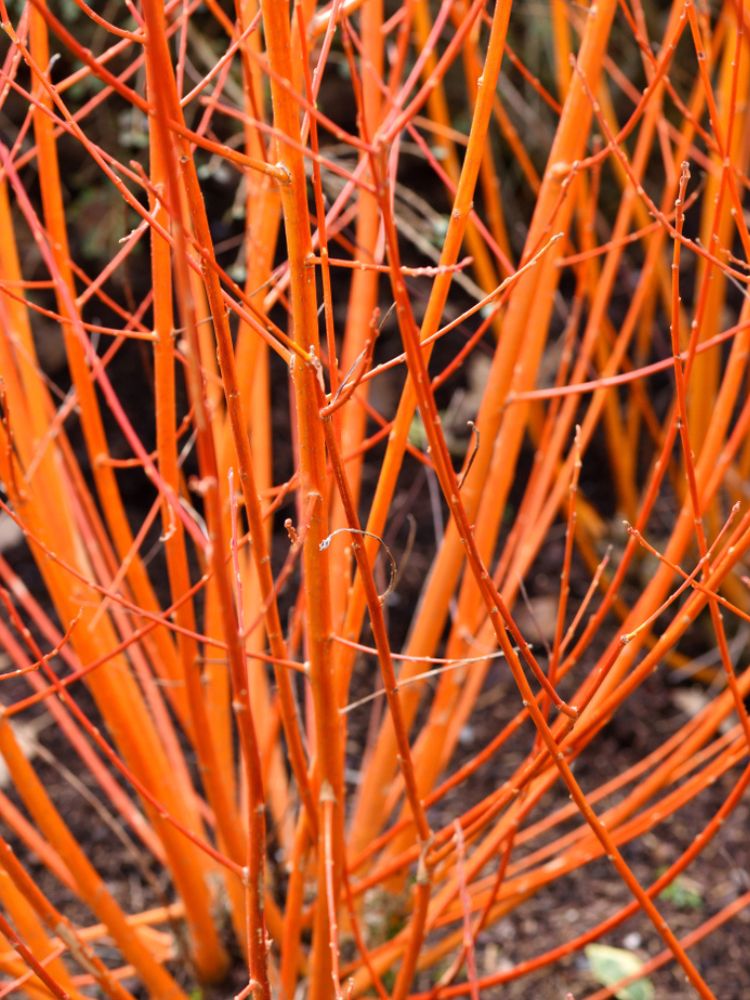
(312, 466)
(165, 99)
(379, 631)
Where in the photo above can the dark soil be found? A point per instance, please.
(569, 906)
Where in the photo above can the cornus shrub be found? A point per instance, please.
(374, 449)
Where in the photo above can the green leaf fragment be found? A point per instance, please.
(684, 894)
(609, 965)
